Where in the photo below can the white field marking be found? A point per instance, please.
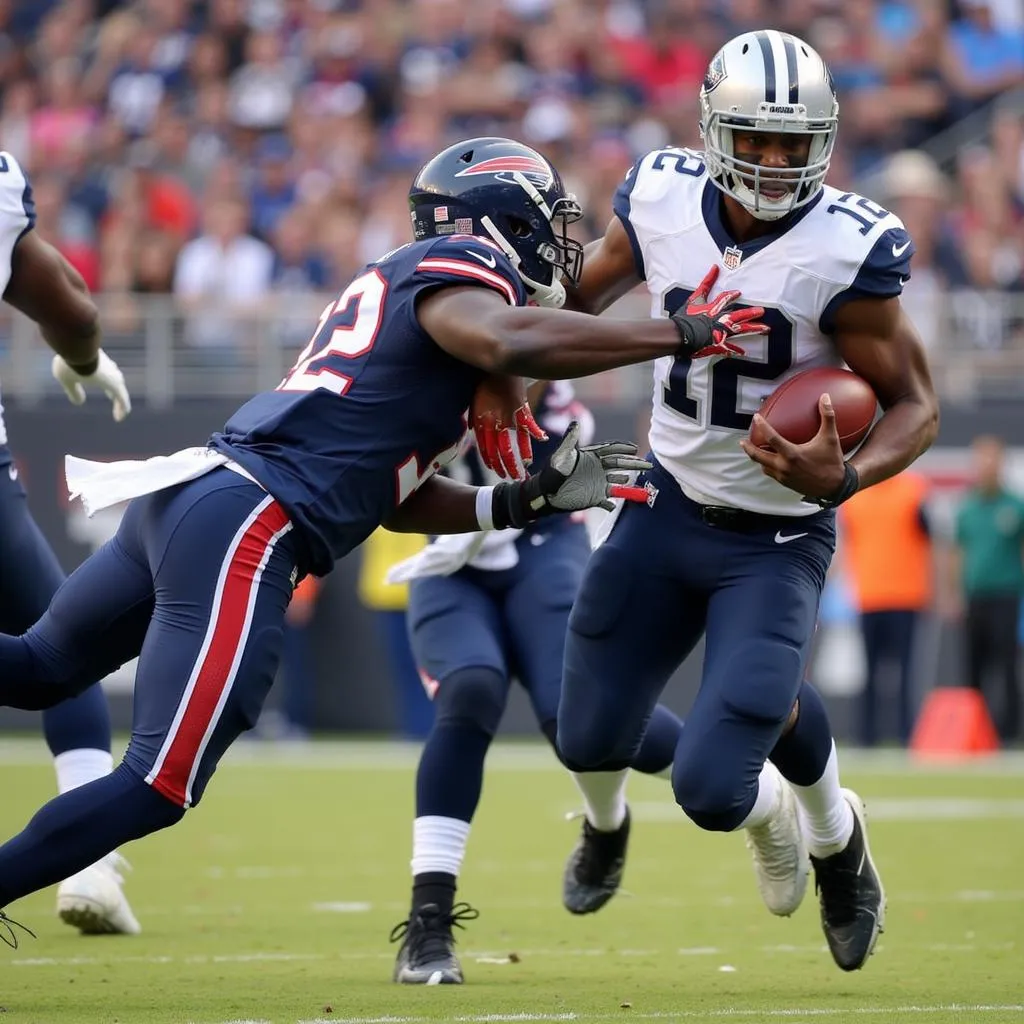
(786, 1013)
(481, 955)
(879, 809)
(513, 755)
(339, 907)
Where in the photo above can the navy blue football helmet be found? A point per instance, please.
(505, 191)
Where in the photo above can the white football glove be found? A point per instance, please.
(107, 376)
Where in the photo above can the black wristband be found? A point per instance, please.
(519, 504)
(507, 507)
(848, 488)
(695, 332)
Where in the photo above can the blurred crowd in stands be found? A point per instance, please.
(236, 148)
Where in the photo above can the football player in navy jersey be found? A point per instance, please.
(484, 607)
(196, 581)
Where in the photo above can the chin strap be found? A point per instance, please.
(551, 296)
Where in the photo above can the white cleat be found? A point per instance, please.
(781, 862)
(94, 902)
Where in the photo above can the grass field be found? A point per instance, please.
(273, 901)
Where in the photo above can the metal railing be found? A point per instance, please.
(975, 342)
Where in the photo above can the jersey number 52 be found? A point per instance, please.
(347, 330)
(724, 375)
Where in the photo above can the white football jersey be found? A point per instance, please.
(838, 247)
(17, 215)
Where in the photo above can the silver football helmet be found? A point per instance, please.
(768, 81)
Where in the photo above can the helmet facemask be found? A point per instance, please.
(554, 254)
(748, 182)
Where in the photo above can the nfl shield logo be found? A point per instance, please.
(731, 258)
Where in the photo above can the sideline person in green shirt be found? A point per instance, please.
(989, 572)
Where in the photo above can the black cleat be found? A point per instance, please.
(593, 872)
(427, 955)
(851, 895)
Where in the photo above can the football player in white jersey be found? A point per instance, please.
(38, 281)
(736, 541)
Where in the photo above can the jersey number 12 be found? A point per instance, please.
(724, 375)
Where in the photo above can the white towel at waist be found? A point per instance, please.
(102, 484)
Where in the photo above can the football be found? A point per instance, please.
(792, 408)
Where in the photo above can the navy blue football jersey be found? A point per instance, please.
(372, 407)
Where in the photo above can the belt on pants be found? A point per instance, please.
(741, 520)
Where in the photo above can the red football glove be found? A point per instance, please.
(504, 426)
(705, 327)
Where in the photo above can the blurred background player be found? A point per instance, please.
(987, 581)
(886, 551)
(388, 602)
(737, 540)
(484, 608)
(40, 283)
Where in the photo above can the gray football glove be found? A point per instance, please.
(573, 480)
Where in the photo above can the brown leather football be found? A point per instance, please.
(792, 408)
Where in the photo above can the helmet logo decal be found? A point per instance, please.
(715, 73)
(535, 170)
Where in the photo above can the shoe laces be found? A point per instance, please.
(11, 936)
(428, 931)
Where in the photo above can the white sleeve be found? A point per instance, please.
(646, 201)
(17, 212)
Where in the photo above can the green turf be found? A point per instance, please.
(273, 902)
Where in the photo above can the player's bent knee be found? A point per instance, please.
(592, 738)
(474, 696)
(763, 681)
(586, 744)
(714, 800)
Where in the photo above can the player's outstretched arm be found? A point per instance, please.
(877, 340)
(477, 326)
(574, 479)
(48, 290)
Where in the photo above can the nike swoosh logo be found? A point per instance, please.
(490, 261)
(779, 539)
(903, 281)
(898, 250)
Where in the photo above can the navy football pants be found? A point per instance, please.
(29, 577)
(661, 580)
(196, 583)
(471, 632)
(511, 621)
